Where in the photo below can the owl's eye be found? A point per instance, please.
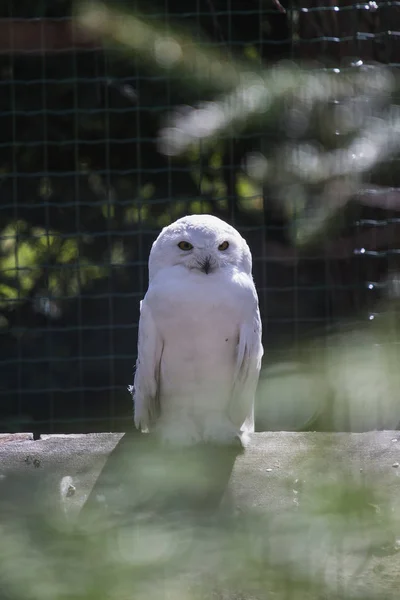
(223, 246)
(185, 246)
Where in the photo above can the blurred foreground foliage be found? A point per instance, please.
(313, 526)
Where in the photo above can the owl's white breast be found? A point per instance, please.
(198, 317)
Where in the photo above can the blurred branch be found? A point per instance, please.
(267, 98)
(168, 50)
(279, 6)
(380, 197)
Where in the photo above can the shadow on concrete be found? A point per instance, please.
(142, 476)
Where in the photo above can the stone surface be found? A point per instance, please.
(35, 475)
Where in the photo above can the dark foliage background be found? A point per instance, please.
(84, 191)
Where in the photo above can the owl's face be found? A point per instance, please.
(201, 243)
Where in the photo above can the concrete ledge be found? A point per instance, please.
(36, 476)
(308, 494)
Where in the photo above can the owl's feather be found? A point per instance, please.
(146, 387)
(248, 365)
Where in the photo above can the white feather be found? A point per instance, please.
(146, 386)
(248, 365)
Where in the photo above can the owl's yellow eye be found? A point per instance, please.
(223, 246)
(185, 246)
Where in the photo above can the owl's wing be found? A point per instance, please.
(248, 365)
(147, 376)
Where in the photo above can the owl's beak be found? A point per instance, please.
(206, 265)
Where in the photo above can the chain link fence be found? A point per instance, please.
(84, 191)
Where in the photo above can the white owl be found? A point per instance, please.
(199, 345)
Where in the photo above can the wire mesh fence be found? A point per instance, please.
(85, 190)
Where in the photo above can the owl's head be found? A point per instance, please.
(201, 243)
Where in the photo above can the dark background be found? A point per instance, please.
(84, 191)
